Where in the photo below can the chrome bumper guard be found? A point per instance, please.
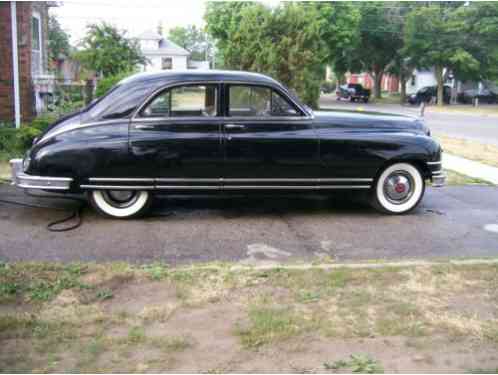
(438, 179)
(25, 181)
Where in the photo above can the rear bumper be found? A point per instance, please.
(25, 181)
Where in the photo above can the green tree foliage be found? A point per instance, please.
(108, 51)
(291, 42)
(380, 38)
(105, 84)
(194, 40)
(58, 39)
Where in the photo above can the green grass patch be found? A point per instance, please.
(269, 325)
(357, 363)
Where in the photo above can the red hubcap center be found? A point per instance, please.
(400, 188)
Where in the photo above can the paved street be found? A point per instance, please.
(450, 223)
(479, 128)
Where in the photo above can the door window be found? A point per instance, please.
(184, 101)
(257, 101)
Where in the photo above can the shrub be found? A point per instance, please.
(25, 136)
(105, 84)
(42, 122)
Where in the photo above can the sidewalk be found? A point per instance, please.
(470, 168)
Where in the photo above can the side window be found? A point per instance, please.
(257, 101)
(184, 101)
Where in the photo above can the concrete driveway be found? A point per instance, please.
(480, 128)
(450, 223)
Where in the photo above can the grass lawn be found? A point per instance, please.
(4, 170)
(487, 154)
(455, 179)
(219, 318)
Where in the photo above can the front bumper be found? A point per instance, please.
(25, 181)
(439, 180)
(438, 175)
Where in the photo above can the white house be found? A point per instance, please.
(419, 79)
(163, 54)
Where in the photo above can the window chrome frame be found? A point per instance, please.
(306, 115)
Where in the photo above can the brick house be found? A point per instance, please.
(25, 86)
(389, 82)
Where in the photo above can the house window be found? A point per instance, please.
(166, 63)
(36, 44)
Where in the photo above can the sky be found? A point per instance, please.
(132, 15)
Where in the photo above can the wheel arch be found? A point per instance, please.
(421, 165)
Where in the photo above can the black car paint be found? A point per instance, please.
(324, 144)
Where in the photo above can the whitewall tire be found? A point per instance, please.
(120, 204)
(399, 189)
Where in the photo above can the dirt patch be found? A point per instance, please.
(415, 318)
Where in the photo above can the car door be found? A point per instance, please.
(176, 137)
(269, 142)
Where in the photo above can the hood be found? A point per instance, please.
(370, 120)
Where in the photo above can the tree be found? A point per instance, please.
(194, 40)
(432, 40)
(58, 40)
(288, 42)
(380, 37)
(108, 51)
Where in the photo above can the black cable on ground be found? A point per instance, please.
(53, 226)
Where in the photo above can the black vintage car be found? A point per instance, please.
(221, 131)
(428, 93)
(354, 92)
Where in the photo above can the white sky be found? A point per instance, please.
(132, 15)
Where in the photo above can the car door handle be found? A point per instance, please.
(235, 126)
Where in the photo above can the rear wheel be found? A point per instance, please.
(120, 204)
(398, 189)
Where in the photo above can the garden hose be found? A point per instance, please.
(53, 226)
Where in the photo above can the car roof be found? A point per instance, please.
(200, 75)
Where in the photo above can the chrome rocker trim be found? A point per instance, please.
(224, 183)
(25, 181)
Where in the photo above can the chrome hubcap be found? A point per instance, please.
(120, 198)
(398, 187)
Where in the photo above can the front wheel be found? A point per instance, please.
(120, 204)
(398, 189)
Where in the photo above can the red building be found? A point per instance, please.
(389, 82)
(24, 80)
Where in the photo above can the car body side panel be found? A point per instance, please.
(86, 151)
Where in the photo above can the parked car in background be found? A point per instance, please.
(226, 132)
(428, 93)
(354, 92)
(484, 96)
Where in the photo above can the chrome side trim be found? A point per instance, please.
(112, 179)
(189, 187)
(188, 179)
(434, 162)
(294, 187)
(117, 187)
(80, 126)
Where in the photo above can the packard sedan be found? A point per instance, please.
(226, 131)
